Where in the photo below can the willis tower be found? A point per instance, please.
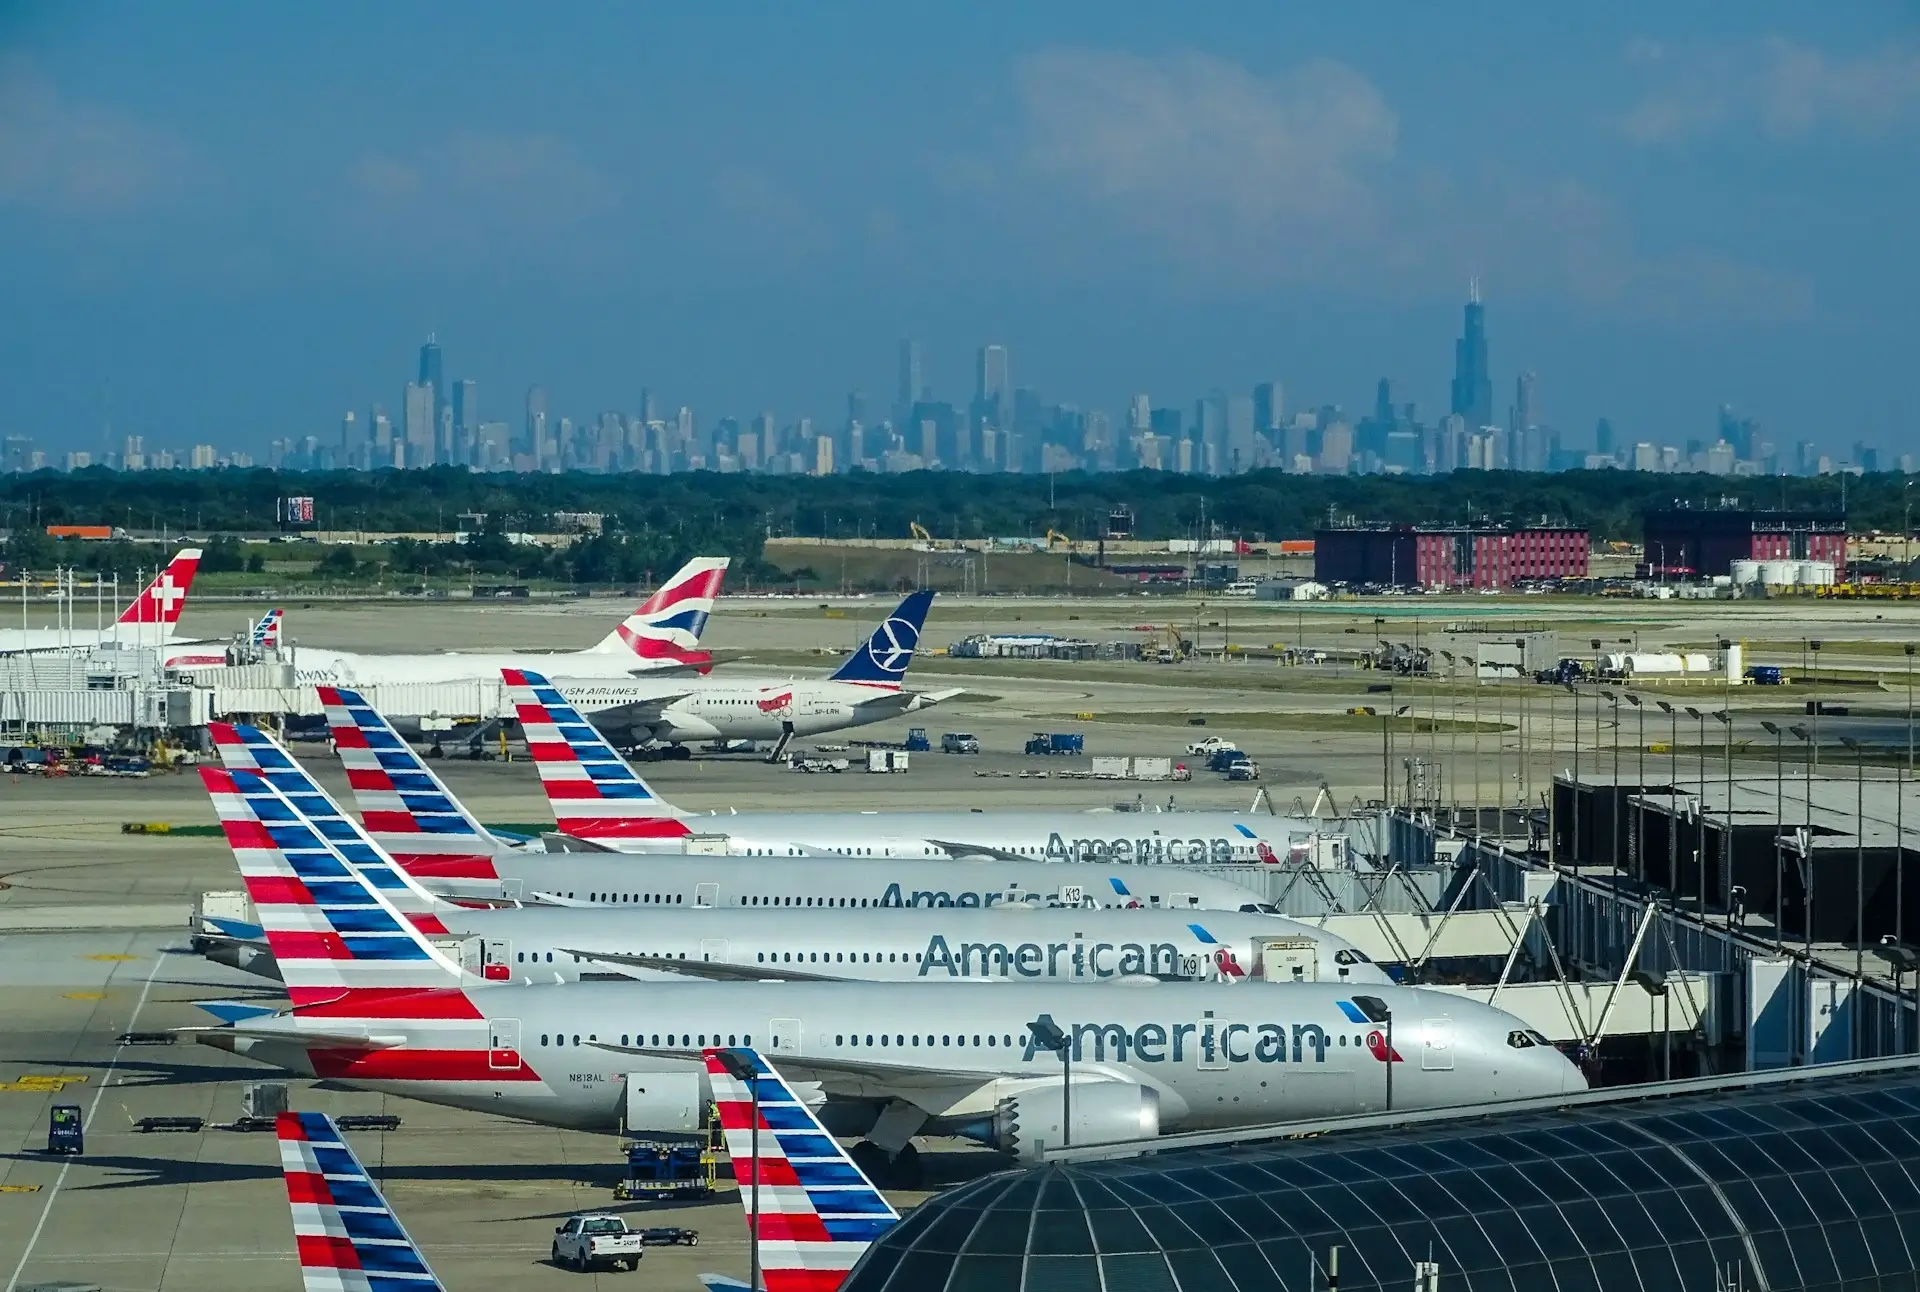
(1472, 387)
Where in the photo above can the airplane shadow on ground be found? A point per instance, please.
(154, 1072)
(146, 1172)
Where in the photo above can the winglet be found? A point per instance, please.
(882, 661)
(161, 601)
(347, 1236)
(665, 631)
(818, 1213)
(595, 794)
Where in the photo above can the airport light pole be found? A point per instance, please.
(741, 1067)
(1779, 824)
(1806, 850)
(1726, 724)
(1700, 807)
(1048, 1036)
(1573, 693)
(1909, 650)
(1673, 816)
(1613, 840)
(1859, 869)
(1814, 769)
(1640, 784)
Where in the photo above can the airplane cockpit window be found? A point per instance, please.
(1522, 1040)
(1539, 1038)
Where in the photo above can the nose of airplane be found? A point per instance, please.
(1572, 1079)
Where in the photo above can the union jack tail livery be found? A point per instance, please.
(818, 1213)
(248, 749)
(594, 792)
(881, 662)
(266, 629)
(665, 630)
(343, 950)
(161, 601)
(407, 810)
(349, 1239)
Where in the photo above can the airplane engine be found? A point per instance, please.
(1103, 1113)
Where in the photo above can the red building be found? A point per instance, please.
(1448, 556)
(1686, 542)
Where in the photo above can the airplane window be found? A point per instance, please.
(703, 1038)
(916, 1038)
(549, 957)
(869, 1038)
(623, 1038)
(519, 957)
(747, 1039)
(866, 957)
(656, 1038)
(593, 1036)
(1343, 1038)
(989, 1040)
(576, 1038)
(760, 956)
(543, 1038)
(839, 1039)
(1539, 1038)
(946, 1039)
(883, 1038)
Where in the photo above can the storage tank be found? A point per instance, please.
(1654, 662)
(1744, 573)
(1816, 574)
(1696, 662)
(1779, 574)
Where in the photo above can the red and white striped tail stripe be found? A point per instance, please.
(594, 792)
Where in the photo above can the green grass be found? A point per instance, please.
(1271, 721)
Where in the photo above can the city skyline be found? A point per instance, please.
(1669, 211)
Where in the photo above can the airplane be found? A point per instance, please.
(410, 812)
(148, 620)
(347, 1236)
(376, 1006)
(265, 632)
(597, 796)
(865, 689)
(661, 635)
(262, 634)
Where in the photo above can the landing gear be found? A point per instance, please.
(676, 753)
(900, 1171)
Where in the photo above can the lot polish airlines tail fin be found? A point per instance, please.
(665, 631)
(344, 951)
(818, 1212)
(407, 809)
(348, 1237)
(161, 601)
(248, 749)
(594, 792)
(266, 629)
(882, 661)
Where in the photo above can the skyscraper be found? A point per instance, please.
(1472, 386)
(536, 431)
(433, 375)
(417, 422)
(353, 443)
(990, 386)
(1267, 407)
(907, 392)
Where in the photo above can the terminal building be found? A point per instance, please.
(1448, 556)
(1700, 542)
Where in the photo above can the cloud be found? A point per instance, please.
(67, 157)
(1785, 90)
(477, 191)
(1198, 147)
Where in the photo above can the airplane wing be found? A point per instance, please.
(855, 1078)
(711, 970)
(639, 712)
(554, 841)
(959, 851)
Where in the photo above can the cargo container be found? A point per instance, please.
(1057, 742)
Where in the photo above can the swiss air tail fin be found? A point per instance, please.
(665, 631)
(244, 748)
(340, 946)
(161, 601)
(594, 792)
(882, 661)
(407, 809)
(818, 1213)
(348, 1237)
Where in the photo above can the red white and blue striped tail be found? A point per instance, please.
(406, 808)
(594, 792)
(336, 940)
(266, 629)
(818, 1212)
(249, 749)
(665, 631)
(348, 1238)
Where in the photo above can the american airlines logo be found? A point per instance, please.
(1209, 1041)
(1070, 895)
(1053, 959)
(1147, 851)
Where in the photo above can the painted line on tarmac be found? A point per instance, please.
(106, 1079)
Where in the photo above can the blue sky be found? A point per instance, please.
(235, 222)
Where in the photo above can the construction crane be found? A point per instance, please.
(923, 541)
(1055, 536)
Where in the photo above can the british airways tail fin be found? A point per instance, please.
(161, 601)
(818, 1213)
(882, 661)
(665, 631)
(348, 1237)
(244, 748)
(595, 794)
(406, 808)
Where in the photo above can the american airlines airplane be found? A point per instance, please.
(664, 633)
(570, 944)
(435, 840)
(148, 620)
(375, 1005)
(596, 795)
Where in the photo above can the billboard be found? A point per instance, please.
(296, 511)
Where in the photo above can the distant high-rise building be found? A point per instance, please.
(1239, 434)
(202, 458)
(1139, 413)
(1526, 411)
(1603, 437)
(990, 386)
(1472, 386)
(417, 423)
(908, 388)
(856, 408)
(1383, 402)
(353, 444)
(433, 375)
(535, 437)
(466, 406)
(1267, 407)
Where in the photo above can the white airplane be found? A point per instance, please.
(546, 944)
(148, 620)
(865, 689)
(346, 1235)
(375, 1005)
(434, 839)
(596, 795)
(663, 634)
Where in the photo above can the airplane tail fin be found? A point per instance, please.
(818, 1212)
(342, 949)
(249, 749)
(407, 809)
(347, 1235)
(594, 792)
(665, 630)
(882, 662)
(162, 600)
(266, 629)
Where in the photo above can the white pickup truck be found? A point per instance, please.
(588, 1240)
(1207, 746)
